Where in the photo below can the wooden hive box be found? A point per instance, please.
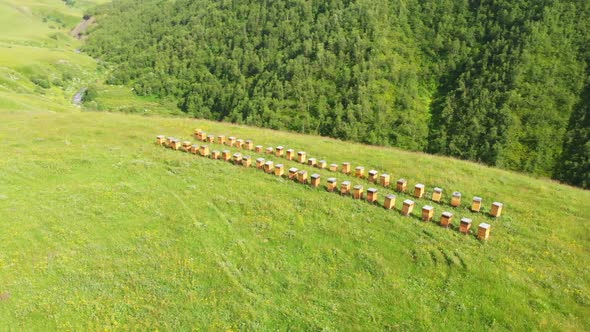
(456, 199)
(346, 168)
(427, 213)
(407, 207)
(161, 140)
(211, 139)
(290, 154)
(331, 184)
(312, 162)
(237, 158)
(231, 141)
(270, 150)
(496, 209)
(203, 136)
(419, 190)
(465, 225)
(476, 204)
(215, 154)
(176, 144)
(345, 188)
(437, 195)
(315, 180)
(260, 163)
(483, 231)
(301, 157)
(357, 192)
(225, 155)
(198, 133)
(373, 174)
(359, 172)
(186, 146)
(204, 150)
(279, 170)
(240, 143)
(372, 195)
(293, 173)
(269, 166)
(389, 202)
(385, 179)
(279, 151)
(333, 167)
(302, 176)
(221, 139)
(168, 142)
(195, 149)
(322, 164)
(258, 148)
(246, 161)
(402, 185)
(446, 218)
(249, 145)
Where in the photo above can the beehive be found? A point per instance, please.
(161, 139)
(357, 192)
(249, 145)
(215, 154)
(496, 209)
(311, 162)
(408, 207)
(333, 167)
(175, 144)
(301, 157)
(186, 146)
(385, 180)
(346, 168)
(237, 158)
(456, 199)
(269, 166)
(260, 163)
(270, 150)
(402, 185)
(483, 231)
(322, 164)
(372, 195)
(332, 183)
(204, 150)
(427, 213)
(168, 142)
(293, 173)
(240, 143)
(359, 172)
(419, 190)
(465, 225)
(290, 154)
(198, 133)
(345, 188)
(279, 151)
(446, 218)
(195, 148)
(246, 161)
(258, 148)
(225, 155)
(437, 195)
(315, 180)
(279, 169)
(221, 139)
(389, 201)
(476, 204)
(202, 136)
(373, 176)
(231, 141)
(302, 176)
(211, 139)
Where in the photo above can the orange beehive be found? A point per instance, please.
(221, 139)
(419, 190)
(302, 176)
(301, 157)
(246, 161)
(311, 162)
(437, 195)
(389, 202)
(322, 164)
(483, 231)
(211, 139)
(240, 143)
(465, 225)
(204, 150)
(373, 176)
(198, 133)
(476, 204)
(290, 154)
(175, 144)
(357, 192)
(332, 183)
(231, 141)
(496, 209)
(279, 170)
(279, 151)
(456, 199)
(269, 166)
(202, 136)
(408, 207)
(225, 155)
(237, 158)
(315, 180)
(249, 145)
(293, 173)
(195, 148)
(372, 195)
(385, 180)
(402, 185)
(258, 148)
(346, 168)
(215, 154)
(446, 218)
(260, 163)
(359, 172)
(333, 167)
(270, 150)
(345, 188)
(427, 213)
(186, 146)
(161, 139)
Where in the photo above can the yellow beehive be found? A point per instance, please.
(357, 192)
(231, 141)
(456, 199)
(483, 231)
(237, 158)
(186, 146)
(202, 136)
(225, 155)
(279, 151)
(270, 150)
(195, 148)
(221, 139)
(476, 204)
(258, 148)
(332, 183)
(168, 142)
(315, 180)
(389, 202)
(269, 166)
(333, 167)
(446, 218)
(322, 164)
(385, 180)
(215, 154)
(290, 154)
(408, 207)
(249, 145)
(465, 225)
(293, 173)
(345, 188)
(302, 176)
(176, 144)
(161, 139)
(496, 209)
(372, 195)
(346, 168)
(198, 133)
(437, 195)
(260, 163)
(419, 190)
(240, 143)
(279, 170)
(311, 162)
(211, 139)
(373, 176)
(246, 161)
(204, 150)
(427, 213)
(402, 185)
(301, 157)
(359, 172)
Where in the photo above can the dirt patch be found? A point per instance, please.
(80, 29)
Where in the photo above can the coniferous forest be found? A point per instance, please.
(501, 82)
